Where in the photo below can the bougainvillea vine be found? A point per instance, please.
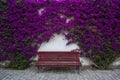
(93, 24)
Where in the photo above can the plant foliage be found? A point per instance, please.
(93, 24)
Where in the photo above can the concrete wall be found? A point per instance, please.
(57, 43)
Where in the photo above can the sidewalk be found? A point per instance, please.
(31, 74)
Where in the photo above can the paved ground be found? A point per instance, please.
(31, 74)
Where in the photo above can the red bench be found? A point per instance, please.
(58, 60)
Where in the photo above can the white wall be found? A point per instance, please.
(57, 43)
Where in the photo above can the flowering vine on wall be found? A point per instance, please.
(93, 24)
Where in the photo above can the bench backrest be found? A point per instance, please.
(58, 56)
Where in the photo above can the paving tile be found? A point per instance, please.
(31, 74)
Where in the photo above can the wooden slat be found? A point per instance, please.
(58, 59)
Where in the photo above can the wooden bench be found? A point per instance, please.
(58, 60)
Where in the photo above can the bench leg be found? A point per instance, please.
(37, 69)
(78, 70)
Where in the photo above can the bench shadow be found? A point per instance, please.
(58, 70)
